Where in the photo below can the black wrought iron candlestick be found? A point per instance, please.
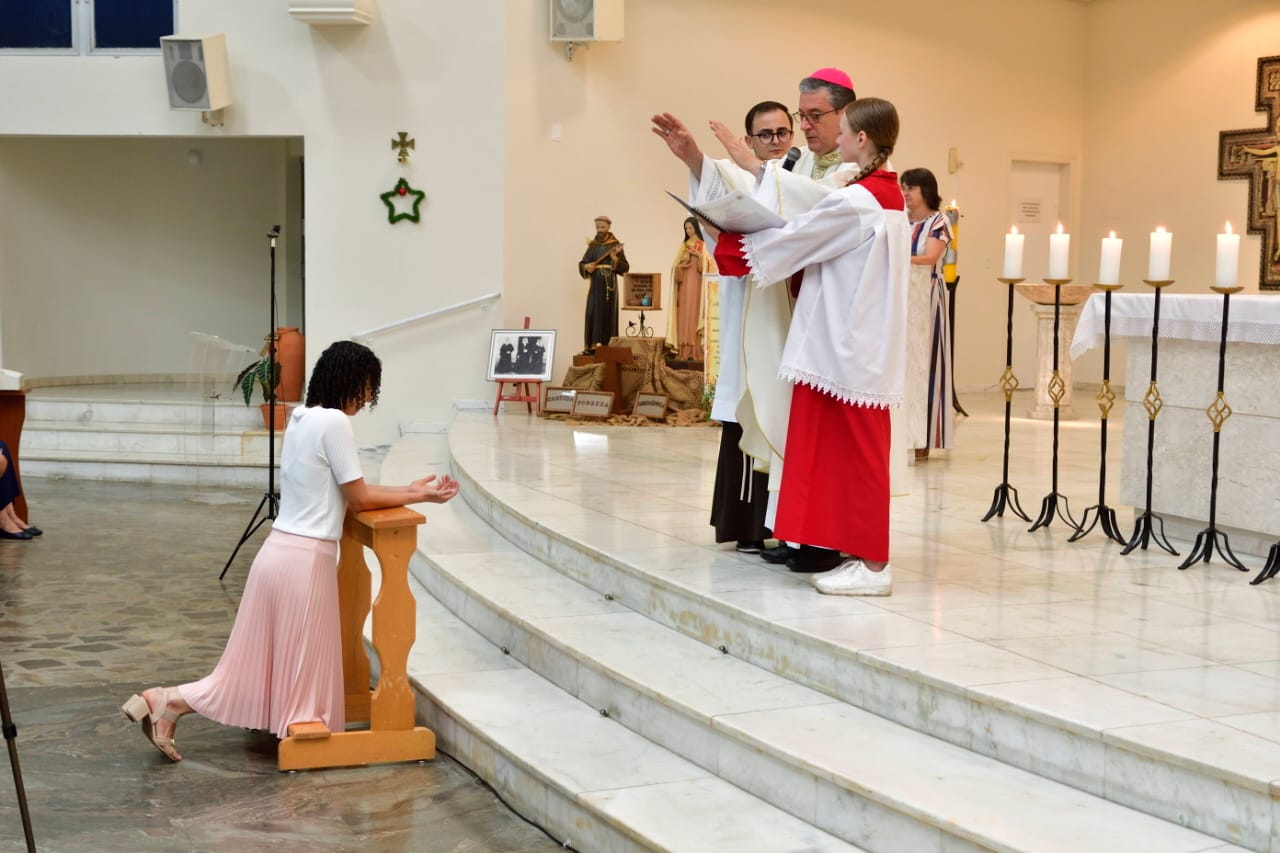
(1144, 529)
(1049, 507)
(1211, 537)
(1006, 496)
(1271, 568)
(1103, 514)
(952, 287)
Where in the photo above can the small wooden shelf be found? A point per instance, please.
(636, 286)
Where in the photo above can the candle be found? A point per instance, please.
(1059, 247)
(1013, 253)
(1228, 258)
(1109, 268)
(1161, 250)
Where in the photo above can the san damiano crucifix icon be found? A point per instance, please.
(1255, 155)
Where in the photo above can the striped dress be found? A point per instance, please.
(927, 405)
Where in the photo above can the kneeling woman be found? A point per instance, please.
(283, 660)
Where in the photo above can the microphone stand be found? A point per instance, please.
(11, 737)
(271, 498)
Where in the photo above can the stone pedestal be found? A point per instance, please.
(1042, 297)
(1069, 316)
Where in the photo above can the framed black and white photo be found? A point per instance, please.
(559, 400)
(593, 404)
(521, 355)
(651, 406)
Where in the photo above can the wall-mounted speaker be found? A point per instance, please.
(195, 70)
(586, 20)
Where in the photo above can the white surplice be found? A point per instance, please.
(847, 337)
(797, 193)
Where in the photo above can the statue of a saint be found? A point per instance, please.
(686, 320)
(602, 263)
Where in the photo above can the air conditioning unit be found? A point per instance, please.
(332, 12)
(581, 21)
(195, 69)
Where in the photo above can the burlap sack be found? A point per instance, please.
(586, 377)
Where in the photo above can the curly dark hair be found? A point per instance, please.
(341, 375)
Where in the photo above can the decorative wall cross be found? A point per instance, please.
(1255, 155)
(404, 143)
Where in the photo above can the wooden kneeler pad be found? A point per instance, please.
(311, 745)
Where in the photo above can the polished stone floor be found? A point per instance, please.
(122, 592)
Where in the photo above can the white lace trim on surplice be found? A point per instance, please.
(844, 395)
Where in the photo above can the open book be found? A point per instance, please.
(736, 212)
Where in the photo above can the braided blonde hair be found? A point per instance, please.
(878, 119)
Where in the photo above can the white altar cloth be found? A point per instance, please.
(1254, 319)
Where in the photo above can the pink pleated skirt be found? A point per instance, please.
(283, 661)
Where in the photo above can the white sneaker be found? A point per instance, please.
(852, 577)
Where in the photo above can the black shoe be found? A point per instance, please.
(811, 560)
(777, 555)
(24, 535)
(34, 531)
(750, 546)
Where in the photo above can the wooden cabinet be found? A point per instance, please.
(13, 411)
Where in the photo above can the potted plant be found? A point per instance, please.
(265, 375)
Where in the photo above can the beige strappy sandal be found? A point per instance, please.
(137, 710)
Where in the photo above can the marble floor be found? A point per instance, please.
(121, 592)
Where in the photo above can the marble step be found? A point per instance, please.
(1099, 739)
(164, 440)
(583, 777)
(115, 410)
(853, 774)
(143, 435)
(238, 473)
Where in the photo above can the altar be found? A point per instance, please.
(1249, 467)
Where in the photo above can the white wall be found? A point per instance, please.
(1162, 79)
(1129, 92)
(430, 67)
(957, 81)
(115, 249)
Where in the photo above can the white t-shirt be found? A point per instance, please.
(319, 456)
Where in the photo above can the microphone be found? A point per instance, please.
(790, 162)
(274, 232)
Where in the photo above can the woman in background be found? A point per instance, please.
(926, 406)
(11, 525)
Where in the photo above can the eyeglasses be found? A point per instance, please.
(767, 136)
(814, 117)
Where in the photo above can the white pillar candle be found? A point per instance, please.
(1109, 268)
(1059, 248)
(1228, 258)
(1013, 253)
(1159, 262)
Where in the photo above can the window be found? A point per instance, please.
(35, 24)
(85, 26)
(131, 23)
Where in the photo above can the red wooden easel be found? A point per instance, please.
(520, 391)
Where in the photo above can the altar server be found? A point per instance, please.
(844, 355)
